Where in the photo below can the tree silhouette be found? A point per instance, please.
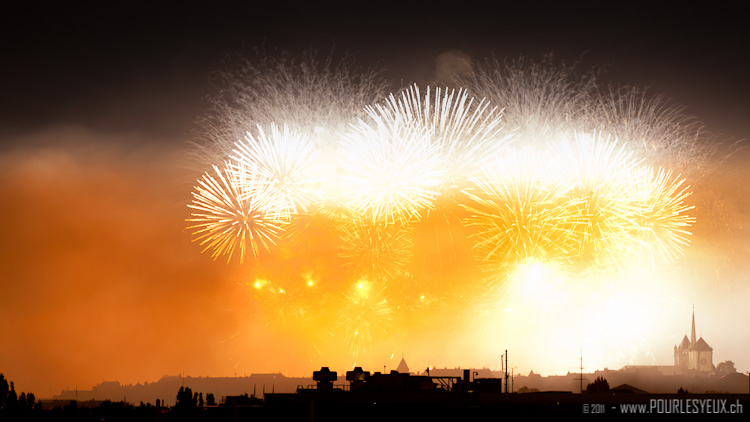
(14, 405)
(726, 367)
(3, 391)
(185, 398)
(600, 385)
(11, 402)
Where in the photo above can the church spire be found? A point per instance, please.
(692, 332)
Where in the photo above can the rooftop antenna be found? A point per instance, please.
(581, 382)
(506, 370)
(502, 369)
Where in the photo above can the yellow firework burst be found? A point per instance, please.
(600, 175)
(227, 213)
(520, 211)
(376, 250)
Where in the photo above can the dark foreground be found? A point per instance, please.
(339, 405)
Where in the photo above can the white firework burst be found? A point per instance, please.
(391, 168)
(290, 166)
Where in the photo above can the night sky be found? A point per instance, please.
(99, 279)
(147, 68)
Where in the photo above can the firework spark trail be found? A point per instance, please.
(319, 96)
(540, 100)
(227, 213)
(289, 163)
(659, 132)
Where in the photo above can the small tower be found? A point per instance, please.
(403, 368)
(681, 355)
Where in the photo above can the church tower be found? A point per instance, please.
(694, 354)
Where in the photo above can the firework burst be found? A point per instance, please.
(600, 175)
(375, 250)
(291, 304)
(520, 211)
(659, 132)
(368, 315)
(595, 208)
(288, 163)
(227, 213)
(466, 131)
(392, 169)
(660, 220)
(431, 207)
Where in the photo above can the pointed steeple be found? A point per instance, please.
(692, 332)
